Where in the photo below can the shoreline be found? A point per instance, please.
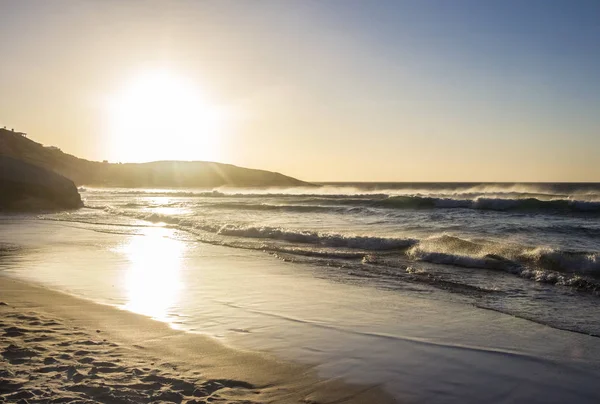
(59, 340)
(294, 336)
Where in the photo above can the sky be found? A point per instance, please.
(331, 90)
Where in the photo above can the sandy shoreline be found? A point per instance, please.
(58, 348)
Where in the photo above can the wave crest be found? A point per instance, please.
(277, 233)
(496, 204)
(324, 239)
(539, 263)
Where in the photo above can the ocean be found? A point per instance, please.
(374, 281)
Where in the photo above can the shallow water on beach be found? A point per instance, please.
(414, 298)
(530, 250)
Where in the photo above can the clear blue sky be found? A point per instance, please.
(321, 90)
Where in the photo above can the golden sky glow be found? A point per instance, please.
(336, 90)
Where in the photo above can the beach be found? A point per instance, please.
(346, 295)
(57, 348)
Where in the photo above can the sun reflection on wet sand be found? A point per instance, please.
(153, 279)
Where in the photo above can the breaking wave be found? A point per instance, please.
(371, 243)
(496, 204)
(332, 204)
(323, 239)
(580, 270)
(538, 263)
(455, 251)
(367, 204)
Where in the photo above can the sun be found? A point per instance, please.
(159, 115)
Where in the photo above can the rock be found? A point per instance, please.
(25, 187)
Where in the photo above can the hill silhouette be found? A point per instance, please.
(155, 174)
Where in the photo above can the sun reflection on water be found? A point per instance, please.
(153, 279)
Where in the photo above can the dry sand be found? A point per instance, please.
(56, 348)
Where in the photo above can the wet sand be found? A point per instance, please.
(58, 348)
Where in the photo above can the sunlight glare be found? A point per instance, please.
(153, 280)
(161, 116)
